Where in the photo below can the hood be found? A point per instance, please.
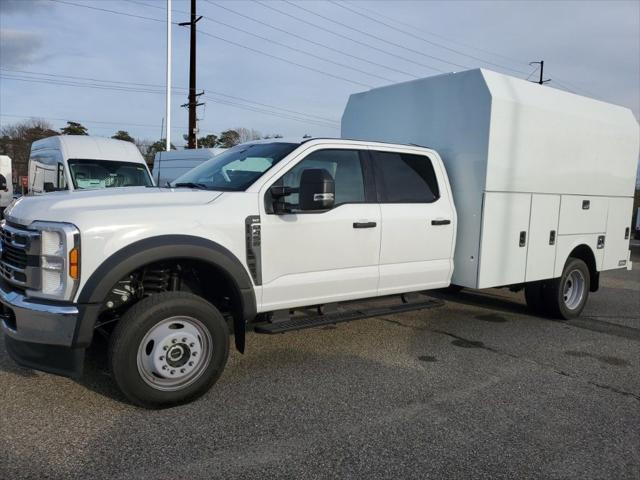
(63, 206)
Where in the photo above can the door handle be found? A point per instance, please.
(364, 224)
(441, 222)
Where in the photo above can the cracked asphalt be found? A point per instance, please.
(478, 388)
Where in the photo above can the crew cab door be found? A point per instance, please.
(316, 257)
(418, 222)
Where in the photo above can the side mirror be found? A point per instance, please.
(48, 187)
(317, 190)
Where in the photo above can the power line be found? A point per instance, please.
(121, 124)
(380, 39)
(306, 67)
(299, 50)
(439, 45)
(346, 37)
(490, 52)
(231, 42)
(300, 37)
(108, 10)
(177, 89)
(137, 90)
(295, 49)
(415, 28)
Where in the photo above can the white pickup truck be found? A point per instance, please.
(280, 235)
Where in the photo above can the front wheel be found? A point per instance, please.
(168, 349)
(565, 297)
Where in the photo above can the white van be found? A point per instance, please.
(6, 182)
(80, 162)
(167, 166)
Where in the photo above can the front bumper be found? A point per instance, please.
(44, 335)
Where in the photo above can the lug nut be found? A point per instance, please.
(161, 357)
(165, 348)
(164, 367)
(192, 344)
(191, 364)
(175, 340)
(182, 370)
(172, 372)
(194, 353)
(184, 340)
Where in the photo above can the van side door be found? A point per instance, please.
(418, 222)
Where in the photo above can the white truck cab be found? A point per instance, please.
(81, 162)
(279, 235)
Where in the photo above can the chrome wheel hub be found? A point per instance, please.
(174, 353)
(573, 291)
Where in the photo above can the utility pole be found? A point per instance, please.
(168, 99)
(193, 96)
(541, 63)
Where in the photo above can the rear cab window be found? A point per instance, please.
(404, 178)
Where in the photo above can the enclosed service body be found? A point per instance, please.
(535, 171)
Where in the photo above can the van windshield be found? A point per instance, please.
(237, 168)
(90, 174)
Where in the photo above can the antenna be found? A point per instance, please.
(541, 63)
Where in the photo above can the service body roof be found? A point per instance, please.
(88, 147)
(505, 133)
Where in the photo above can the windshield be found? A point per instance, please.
(237, 168)
(89, 174)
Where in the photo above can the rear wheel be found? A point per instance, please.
(565, 297)
(168, 349)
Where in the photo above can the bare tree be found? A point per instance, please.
(16, 140)
(247, 135)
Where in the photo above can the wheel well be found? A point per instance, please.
(584, 253)
(178, 274)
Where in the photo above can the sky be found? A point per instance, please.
(289, 67)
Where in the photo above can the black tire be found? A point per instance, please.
(533, 294)
(142, 318)
(553, 291)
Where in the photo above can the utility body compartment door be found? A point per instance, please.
(616, 246)
(582, 214)
(504, 239)
(543, 237)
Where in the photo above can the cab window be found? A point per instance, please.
(344, 166)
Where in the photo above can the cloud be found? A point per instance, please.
(18, 48)
(19, 6)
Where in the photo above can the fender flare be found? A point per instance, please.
(153, 249)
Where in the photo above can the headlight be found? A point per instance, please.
(59, 260)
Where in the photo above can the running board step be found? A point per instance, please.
(299, 322)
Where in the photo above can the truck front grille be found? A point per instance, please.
(19, 261)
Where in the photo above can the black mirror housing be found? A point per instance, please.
(317, 190)
(48, 187)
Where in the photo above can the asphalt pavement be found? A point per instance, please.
(479, 388)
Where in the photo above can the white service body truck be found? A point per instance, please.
(279, 235)
(82, 162)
